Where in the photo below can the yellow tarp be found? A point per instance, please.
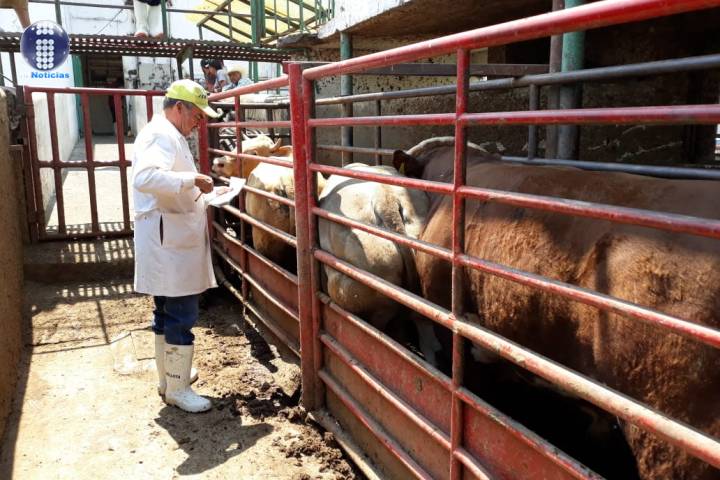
(274, 25)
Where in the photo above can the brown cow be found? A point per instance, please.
(261, 145)
(675, 274)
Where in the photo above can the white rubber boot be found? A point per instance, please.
(160, 364)
(141, 19)
(178, 360)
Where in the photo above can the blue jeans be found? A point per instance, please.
(174, 317)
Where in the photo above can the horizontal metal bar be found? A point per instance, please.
(420, 245)
(600, 74)
(366, 150)
(289, 342)
(279, 161)
(252, 123)
(471, 464)
(260, 288)
(672, 222)
(388, 442)
(690, 440)
(388, 120)
(524, 435)
(51, 236)
(398, 180)
(96, 91)
(291, 277)
(388, 343)
(448, 69)
(285, 237)
(271, 84)
(252, 106)
(377, 386)
(664, 115)
(392, 291)
(604, 302)
(270, 196)
(81, 165)
(593, 15)
(689, 173)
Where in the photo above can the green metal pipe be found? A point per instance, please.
(573, 58)
(346, 88)
(58, 13)
(164, 17)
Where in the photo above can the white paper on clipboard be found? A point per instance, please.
(236, 185)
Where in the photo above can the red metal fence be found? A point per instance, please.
(405, 414)
(36, 196)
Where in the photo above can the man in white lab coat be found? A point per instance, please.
(172, 250)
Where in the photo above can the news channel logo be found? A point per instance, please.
(45, 45)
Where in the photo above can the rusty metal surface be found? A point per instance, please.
(98, 45)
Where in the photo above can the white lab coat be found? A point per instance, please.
(172, 248)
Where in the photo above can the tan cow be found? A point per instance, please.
(394, 208)
(675, 274)
(279, 181)
(260, 145)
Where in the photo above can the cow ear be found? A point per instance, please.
(284, 151)
(405, 164)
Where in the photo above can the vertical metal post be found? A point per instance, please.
(163, 12)
(244, 229)
(573, 58)
(148, 107)
(200, 34)
(346, 88)
(553, 92)
(90, 159)
(13, 69)
(301, 5)
(179, 68)
(305, 190)
(2, 73)
(58, 13)
(192, 67)
(120, 134)
(534, 104)
(57, 170)
(39, 230)
(458, 246)
(378, 132)
(230, 19)
(203, 145)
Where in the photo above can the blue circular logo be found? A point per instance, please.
(45, 45)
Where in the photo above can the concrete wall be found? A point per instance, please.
(666, 38)
(11, 262)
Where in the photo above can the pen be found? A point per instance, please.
(199, 194)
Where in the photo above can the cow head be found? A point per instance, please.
(224, 166)
(408, 165)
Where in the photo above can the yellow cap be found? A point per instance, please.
(191, 92)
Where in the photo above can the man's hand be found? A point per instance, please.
(204, 183)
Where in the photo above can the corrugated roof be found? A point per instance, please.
(131, 46)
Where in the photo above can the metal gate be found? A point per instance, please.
(54, 170)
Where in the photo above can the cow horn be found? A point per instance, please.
(277, 145)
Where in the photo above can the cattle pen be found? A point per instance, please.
(397, 414)
(407, 416)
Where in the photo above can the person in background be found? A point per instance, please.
(236, 78)
(215, 69)
(172, 251)
(148, 18)
(21, 10)
(209, 77)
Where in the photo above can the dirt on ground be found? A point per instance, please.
(87, 405)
